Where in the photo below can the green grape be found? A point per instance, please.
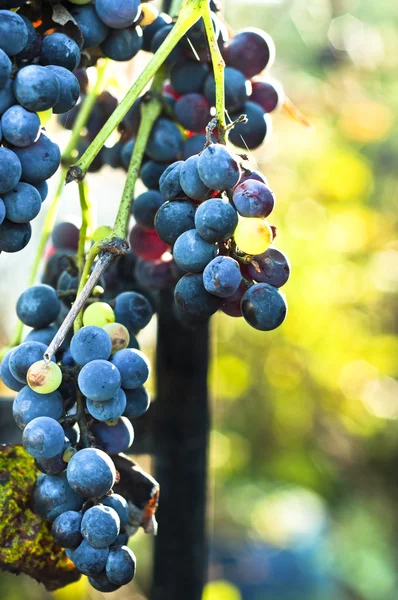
(119, 335)
(101, 232)
(44, 377)
(253, 236)
(99, 314)
(69, 452)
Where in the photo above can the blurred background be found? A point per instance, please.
(304, 446)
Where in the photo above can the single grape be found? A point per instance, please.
(118, 13)
(52, 496)
(165, 142)
(44, 335)
(119, 336)
(122, 539)
(120, 566)
(169, 182)
(188, 76)
(151, 172)
(137, 402)
(23, 357)
(69, 89)
(218, 168)
(40, 160)
(13, 32)
(43, 437)
(56, 464)
(36, 88)
(146, 244)
(158, 39)
(193, 299)
(235, 85)
(7, 377)
(133, 310)
(173, 218)
(249, 174)
(133, 366)
(99, 380)
(101, 582)
(274, 268)
(59, 49)
(149, 32)
(7, 98)
(44, 377)
(222, 276)
(250, 51)
(253, 199)
(100, 526)
(190, 181)
(90, 343)
(94, 31)
(22, 203)
(263, 307)
(98, 314)
(14, 236)
(268, 94)
(91, 473)
(65, 235)
(20, 127)
(87, 559)
(10, 170)
(110, 409)
(231, 305)
(38, 306)
(193, 112)
(253, 236)
(216, 220)
(66, 529)
(155, 274)
(145, 207)
(32, 48)
(193, 145)
(122, 44)
(119, 504)
(28, 405)
(252, 134)
(114, 438)
(192, 253)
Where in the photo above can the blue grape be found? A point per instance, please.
(216, 220)
(149, 32)
(13, 32)
(38, 306)
(43, 437)
(100, 526)
(145, 207)
(158, 39)
(94, 31)
(122, 44)
(118, 13)
(269, 95)
(69, 89)
(23, 203)
(59, 49)
(40, 160)
(192, 253)
(52, 496)
(274, 268)
(119, 504)
(169, 182)
(87, 559)
(66, 529)
(23, 357)
(36, 88)
(173, 218)
(7, 98)
(151, 172)
(193, 299)
(222, 276)
(5, 68)
(120, 566)
(137, 402)
(263, 307)
(10, 170)
(193, 145)
(249, 174)
(20, 127)
(28, 405)
(114, 438)
(126, 153)
(235, 85)
(250, 51)
(101, 583)
(99, 380)
(253, 133)
(110, 410)
(14, 236)
(133, 366)
(193, 112)
(56, 464)
(217, 168)
(2, 211)
(188, 76)
(68, 282)
(91, 473)
(133, 311)
(190, 181)
(43, 335)
(42, 188)
(90, 343)
(122, 539)
(7, 377)
(32, 48)
(165, 142)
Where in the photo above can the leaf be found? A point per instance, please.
(26, 544)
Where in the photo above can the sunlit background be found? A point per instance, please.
(304, 447)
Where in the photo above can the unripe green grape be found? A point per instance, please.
(253, 236)
(101, 232)
(119, 335)
(44, 377)
(99, 314)
(67, 455)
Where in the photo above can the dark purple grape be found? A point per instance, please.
(250, 51)
(263, 307)
(274, 268)
(269, 95)
(192, 111)
(235, 84)
(253, 133)
(253, 199)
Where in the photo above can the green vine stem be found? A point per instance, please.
(86, 226)
(190, 12)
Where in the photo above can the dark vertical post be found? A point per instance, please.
(181, 427)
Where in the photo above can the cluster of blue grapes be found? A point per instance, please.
(102, 365)
(35, 76)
